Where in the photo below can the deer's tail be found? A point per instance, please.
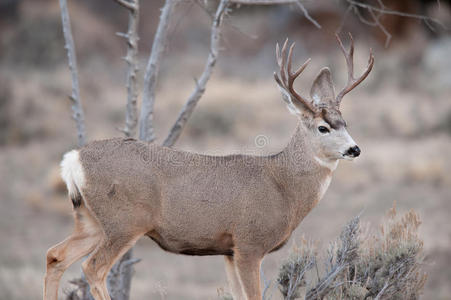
(73, 175)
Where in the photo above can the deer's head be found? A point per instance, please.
(321, 114)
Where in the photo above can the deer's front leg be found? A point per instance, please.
(233, 279)
(248, 268)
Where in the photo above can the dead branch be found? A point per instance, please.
(128, 5)
(120, 276)
(386, 11)
(199, 90)
(307, 15)
(146, 128)
(266, 286)
(345, 254)
(77, 109)
(279, 2)
(377, 12)
(131, 115)
(293, 272)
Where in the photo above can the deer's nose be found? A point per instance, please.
(353, 151)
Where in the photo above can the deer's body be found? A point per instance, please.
(185, 205)
(239, 206)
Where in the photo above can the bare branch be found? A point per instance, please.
(199, 90)
(146, 128)
(388, 35)
(77, 109)
(343, 19)
(128, 5)
(131, 115)
(344, 256)
(376, 13)
(120, 276)
(362, 19)
(307, 15)
(385, 11)
(278, 2)
(266, 286)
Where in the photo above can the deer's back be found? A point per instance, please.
(188, 201)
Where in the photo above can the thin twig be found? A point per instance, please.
(77, 109)
(307, 15)
(266, 284)
(131, 114)
(127, 4)
(382, 291)
(362, 19)
(385, 11)
(146, 128)
(343, 19)
(377, 12)
(278, 2)
(199, 90)
(388, 35)
(120, 276)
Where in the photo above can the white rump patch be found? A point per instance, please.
(72, 172)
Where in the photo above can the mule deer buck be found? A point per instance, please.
(239, 206)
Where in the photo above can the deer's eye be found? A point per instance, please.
(323, 129)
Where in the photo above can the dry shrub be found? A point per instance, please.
(293, 271)
(383, 265)
(390, 262)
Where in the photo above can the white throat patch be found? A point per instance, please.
(330, 164)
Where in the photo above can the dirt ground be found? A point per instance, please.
(400, 117)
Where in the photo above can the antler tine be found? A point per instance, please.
(293, 76)
(301, 68)
(287, 77)
(349, 56)
(278, 58)
(283, 66)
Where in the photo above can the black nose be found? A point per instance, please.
(353, 151)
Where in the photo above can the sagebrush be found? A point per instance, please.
(386, 264)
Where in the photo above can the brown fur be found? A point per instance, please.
(239, 206)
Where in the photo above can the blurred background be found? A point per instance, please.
(400, 116)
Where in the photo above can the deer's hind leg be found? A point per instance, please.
(80, 243)
(99, 263)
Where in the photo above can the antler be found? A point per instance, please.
(287, 77)
(349, 56)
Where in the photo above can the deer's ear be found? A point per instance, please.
(323, 87)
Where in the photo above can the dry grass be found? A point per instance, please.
(385, 265)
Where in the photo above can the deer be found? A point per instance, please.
(239, 206)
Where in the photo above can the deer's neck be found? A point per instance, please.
(304, 173)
